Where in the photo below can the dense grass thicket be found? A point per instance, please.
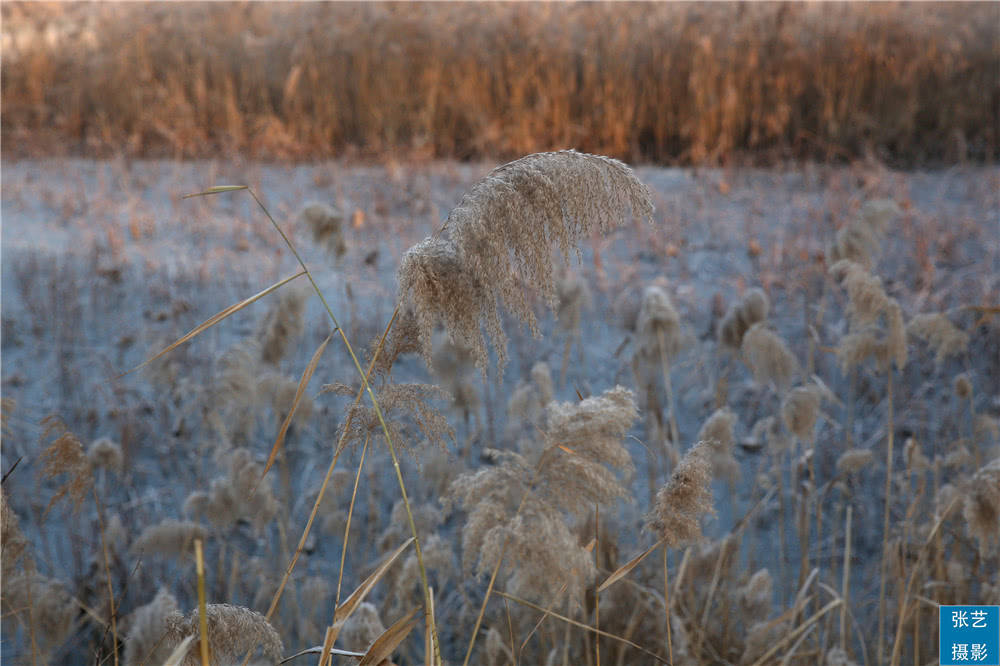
(783, 388)
(668, 83)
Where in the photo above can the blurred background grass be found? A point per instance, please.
(669, 83)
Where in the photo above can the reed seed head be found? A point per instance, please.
(501, 236)
(944, 338)
(327, 226)
(680, 504)
(769, 358)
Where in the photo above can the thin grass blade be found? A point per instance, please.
(180, 652)
(319, 650)
(386, 644)
(348, 607)
(213, 320)
(217, 189)
(627, 567)
(581, 625)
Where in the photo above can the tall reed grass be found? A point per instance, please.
(661, 82)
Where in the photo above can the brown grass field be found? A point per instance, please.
(669, 83)
(737, 404)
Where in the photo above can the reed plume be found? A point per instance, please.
(499, 240)
(518, 505)
(861, 240)
(717, 433)
(681, 503)
(768, 356)
(326, 224)
(943, 337)
(751, 309)
(981, 509)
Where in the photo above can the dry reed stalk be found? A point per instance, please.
(844, 588)
(203, 640)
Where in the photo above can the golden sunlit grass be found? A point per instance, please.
(664, 82)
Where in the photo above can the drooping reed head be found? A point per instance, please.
(680, 504)
(501, 237)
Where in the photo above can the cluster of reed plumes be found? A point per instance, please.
(664, 82)
(527, 535)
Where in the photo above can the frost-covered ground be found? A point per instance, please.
(104, 263)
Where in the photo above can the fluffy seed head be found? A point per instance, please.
(768, 356)
(942, 336)
(680, 504)
(800, 410)
(282, 325)
(105, 453)
(501, 237)
(982, 507)
(717, 433)
(149, 627)
(854, 460)
(659, 326)
(326, 224)
(169, 537)
(752, 308)
(963, 386)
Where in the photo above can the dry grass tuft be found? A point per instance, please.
(282, 325)
(717, 434)
(944, 338)
(65, 455)
(327, 226)
(860, 241)
(500, 239)
(751, 309)
(800, 410)
(768, 356)
(681, 503)
(148, 638)
(104, 453)
(982, 507)
(519, 502)
(875, 320)
(53, 610)
(232, 632)
(854, 460)
(169, 537)
(658, 324)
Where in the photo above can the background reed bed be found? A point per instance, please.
(667, 83)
